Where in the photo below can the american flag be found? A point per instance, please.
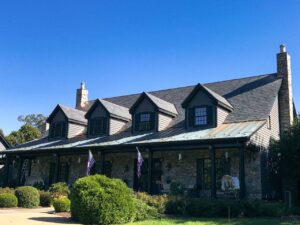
(91, 162)
(140, 161)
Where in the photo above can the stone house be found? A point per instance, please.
(191, 136)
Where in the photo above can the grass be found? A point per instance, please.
(192, 221)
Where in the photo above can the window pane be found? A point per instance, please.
(145, 117)
(144, 124)
(201, 116)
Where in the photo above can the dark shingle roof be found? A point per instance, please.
(115, 109)
(74, 114)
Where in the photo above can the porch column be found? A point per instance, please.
(213, 171)
(6, 173)
(20, 162)
(57, 167)
(102, 162)
(242, 172)
(150, 170)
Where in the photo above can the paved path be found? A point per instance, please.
(43, 216)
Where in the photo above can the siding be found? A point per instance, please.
(221, 115)
(99, 112)
(263, 136)
(163, 121)
(59, 116)
(115, 126)
(200, 99)
(145, 106)
(76, 130)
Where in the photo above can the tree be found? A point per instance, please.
(24, 134)
(34, 120)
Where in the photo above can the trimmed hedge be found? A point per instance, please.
(144, 211)
(157, 201)
(28, 197)
(45, 198)
(8, 200)
(101, 200)
(61, 204)
(7, 190)
(59, 189)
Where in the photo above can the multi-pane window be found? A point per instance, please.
(58, 130)
(201, 116)
(144, 121)
(98, 126)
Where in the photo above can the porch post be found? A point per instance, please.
(57, 167)
(102, 161)
(150, 171)
(242, 172)
(213, 171)
(6, 173)
(20, 162)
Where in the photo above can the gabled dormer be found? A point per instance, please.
(205, 108)
(66, 122)
(150, 113)
(106, 118)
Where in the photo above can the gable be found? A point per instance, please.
(200, 98)
(58, 117)
(99, 111)
(144, 106)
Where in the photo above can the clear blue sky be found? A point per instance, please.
(119, 47)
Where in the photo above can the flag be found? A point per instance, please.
(91, 162)
(140, 161)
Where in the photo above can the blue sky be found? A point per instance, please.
(120, 47)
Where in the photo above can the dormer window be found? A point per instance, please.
(201, 116)
(144, 121)
(58, 129)
(98, 126)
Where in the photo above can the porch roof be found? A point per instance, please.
(224, 131)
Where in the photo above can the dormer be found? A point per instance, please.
(205, 108)
(150, 113)
(66, 122)
(106, 118)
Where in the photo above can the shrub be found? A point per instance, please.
(28, 197)
(176, 206)
(61, 204)
(176, 189)
(144, 211)
(157, 201)
(101, 200)
(8, 200)
(59, 189)
(45, 198)
(7, 190)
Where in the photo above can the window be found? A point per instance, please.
(200, 116)
(58, 129)
(98, 126)
(144, 121)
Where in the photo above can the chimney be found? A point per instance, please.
(285, 96)
(81, 97)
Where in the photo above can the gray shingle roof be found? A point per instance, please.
(74, 114)
(115, 109)
(218, 97)
(162, 104)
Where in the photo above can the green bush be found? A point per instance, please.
(176, 189)
(59, 189)
(144, 211)
(7, 190)
(101, 200)
(28, 197)
(157, 201)
(8, 200)
(45, 198)
(61, 204)
(176, 206)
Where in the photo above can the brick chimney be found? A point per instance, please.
(82, 97)
(285, 97)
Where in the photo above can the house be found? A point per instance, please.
(193, 136)
(3, 146)
(3, 143)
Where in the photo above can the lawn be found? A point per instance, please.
(191, 221)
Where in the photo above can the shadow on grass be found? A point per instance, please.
(58, 219)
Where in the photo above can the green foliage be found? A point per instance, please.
(8, 200)
(101, 200)
(176, 188)
(28, 197)
(59, 189)
(61, 204)
(39, 185)
(7, 190)
(45, 198)
(157, 201)
(176, 206)
(288, 151)
(24, 134)
(34, 120)
(144, 211)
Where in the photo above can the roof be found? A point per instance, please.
(218, 98)
(174, 135)
(4, 142)
(73, 115)
(112, 109)
(161, 104)
(252, 99)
